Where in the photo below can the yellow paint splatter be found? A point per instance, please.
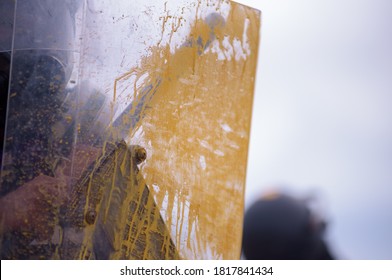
(194, 93)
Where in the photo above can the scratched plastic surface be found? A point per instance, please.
(127, 128)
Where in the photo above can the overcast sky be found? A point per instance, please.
(322, 115)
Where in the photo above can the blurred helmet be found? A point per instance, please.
(36, 61)
(279, 227)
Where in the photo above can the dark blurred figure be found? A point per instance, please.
(279, 227)
(36, 62)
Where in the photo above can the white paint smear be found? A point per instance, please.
(202, 161)
(226, 127)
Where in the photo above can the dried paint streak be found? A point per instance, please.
(193, 113)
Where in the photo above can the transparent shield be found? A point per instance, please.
(128, 126)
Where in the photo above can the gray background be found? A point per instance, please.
(322, 116)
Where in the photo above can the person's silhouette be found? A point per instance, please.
(280, 227)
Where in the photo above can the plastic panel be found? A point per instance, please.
(93, 86)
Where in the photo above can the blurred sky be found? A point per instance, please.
(322, 115)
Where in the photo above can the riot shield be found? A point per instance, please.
(126, 128)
